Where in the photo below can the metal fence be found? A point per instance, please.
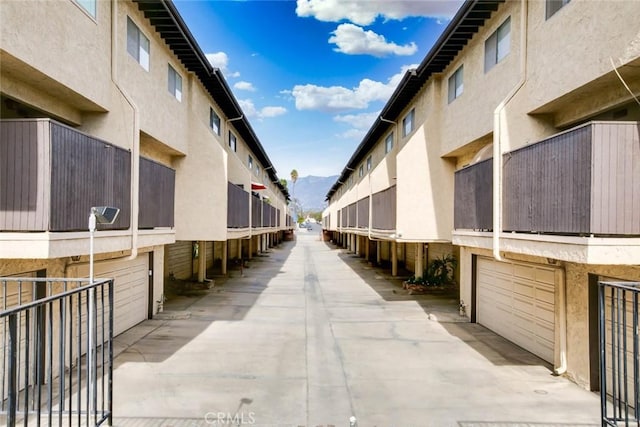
(619, 304)
(56, 364)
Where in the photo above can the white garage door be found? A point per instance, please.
(516, 300)
(131, 294)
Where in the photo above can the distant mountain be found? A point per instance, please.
(310, 191)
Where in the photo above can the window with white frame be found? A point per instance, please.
(361, 170)
(175, 83)
(257, 169)
(250, 162)
(554, 5)
(456, 84)
(407, 123)
(498, 45)
(233, 142)
(137, 44)
(388, 143)
(369, 163)
(89, 6)
(214, 121)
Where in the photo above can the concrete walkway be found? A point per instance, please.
(311, 336)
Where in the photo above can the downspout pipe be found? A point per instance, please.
(497, 186)
(498, 120)
(135, 146)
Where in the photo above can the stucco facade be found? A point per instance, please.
(75, 69)
(556, 74)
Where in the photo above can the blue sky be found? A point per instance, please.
(312, 75)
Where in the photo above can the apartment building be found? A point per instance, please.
(515, 147)
(114, 104)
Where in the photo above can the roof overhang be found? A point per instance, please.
(465, 24)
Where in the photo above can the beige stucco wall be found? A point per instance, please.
(201, 186)
(74, 44)
(424, 190)
(470, 116)
(575, 45)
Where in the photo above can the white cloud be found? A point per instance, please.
(354, 40)
(244, 86)
(218, 59)
(221, 60)
(250, 110)
(353, 134)
(361, 121)
(339, 98)
(272, 111)
(365, 12)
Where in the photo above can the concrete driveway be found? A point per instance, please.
(310, 335)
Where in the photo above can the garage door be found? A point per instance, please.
(131, 296)
(516, 300)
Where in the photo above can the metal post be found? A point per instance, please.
(91, 384)
(13, 362)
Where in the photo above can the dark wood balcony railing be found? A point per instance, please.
(51, 175)
(580, 182)
(157, 194)
(473, 197)
(342, 220)
(237, 207)
(256, 212)
(351, 215)
(383, 205)
(363, 212)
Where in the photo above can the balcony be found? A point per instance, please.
(157, 194)
(473, 198)
(363, 212)
(383, 205)
(237, 207)
(582, 182)
(574, 196)
(53, 175)
(263, 215)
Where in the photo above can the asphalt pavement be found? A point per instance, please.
(310, 335)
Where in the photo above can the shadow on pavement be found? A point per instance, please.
(443, 308)
(186, 316)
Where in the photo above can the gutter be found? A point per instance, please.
(135, 146)
(498, 114)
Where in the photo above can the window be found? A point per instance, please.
(388, 143)
(89, 6)
(555, 5)
(369, 163)
(456, 85)
(361, 170)
(214, 121)
(257, 170)
(250, 162)
(407, 123)
(497, 45)
(233, 143)
(137, 44)
(175, 83)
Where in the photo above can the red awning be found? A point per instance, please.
(258, 186)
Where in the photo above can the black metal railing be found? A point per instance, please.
(619, 304)
(56, 364)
